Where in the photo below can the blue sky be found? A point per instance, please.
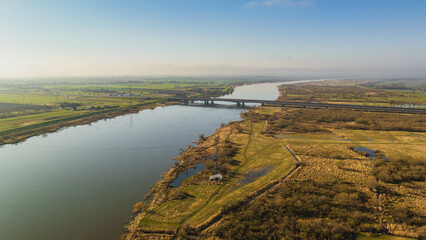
(202, 37)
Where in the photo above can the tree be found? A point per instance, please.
(201, 137)
(139, 207)
(372, 183)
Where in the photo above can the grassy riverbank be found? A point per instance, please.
(335, 191)
(20, 128)
(32, 108)
(201, 201)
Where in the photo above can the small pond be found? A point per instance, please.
(370, 153)
(254, 175)
(187, 174)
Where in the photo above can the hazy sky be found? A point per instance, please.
(149, 37)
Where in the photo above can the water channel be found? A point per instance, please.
(80, 182)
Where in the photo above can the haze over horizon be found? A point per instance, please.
(49, 38)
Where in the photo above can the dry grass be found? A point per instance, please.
(327, 151)
(206, 200)
(325, 159)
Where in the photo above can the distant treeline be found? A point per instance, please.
(395, 86)
(320, 120)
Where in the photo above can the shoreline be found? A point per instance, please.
(162, 217)
(26, 132)
(161, 192)
(160, 189)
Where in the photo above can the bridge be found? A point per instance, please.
(242, 102)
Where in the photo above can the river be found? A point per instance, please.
(81, 182)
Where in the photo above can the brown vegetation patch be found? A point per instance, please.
(327, 151)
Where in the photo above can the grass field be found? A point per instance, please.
(141, 86)
(33, 103)
(25, 98)
(327, 158)
(256, 151)
(350, 191)
(358, 92)
(404, 83)
(26, 120)
(382, 237)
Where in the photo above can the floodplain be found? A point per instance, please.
(337, 174)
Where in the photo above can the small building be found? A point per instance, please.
(216, 177)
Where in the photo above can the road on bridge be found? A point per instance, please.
(241, 102)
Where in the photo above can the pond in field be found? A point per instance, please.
(254, 175)
(187, 174)
(370, 153)
(81, 182)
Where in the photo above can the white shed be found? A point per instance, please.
(216, 177)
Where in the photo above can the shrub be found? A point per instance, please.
(139, 207)
(398, 171)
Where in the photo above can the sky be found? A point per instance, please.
(51, 38)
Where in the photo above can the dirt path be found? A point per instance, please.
(220, 189)
(223, 187)
(261, 193)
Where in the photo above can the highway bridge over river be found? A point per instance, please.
(242, 102)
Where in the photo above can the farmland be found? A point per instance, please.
(363, 92)
(30, 108)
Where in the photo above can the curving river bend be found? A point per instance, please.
(80, 182)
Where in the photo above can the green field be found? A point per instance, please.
(382, 237)
(256, 151)
(25, 98)
(358, 92)
(26, 120)
(40, 103)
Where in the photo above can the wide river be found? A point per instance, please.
(81, 182)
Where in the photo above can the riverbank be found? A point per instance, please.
(240, 150)
(338, 187)
(31, 129)
(90, 175)
(44, 107)
(49, 122)
(354, 195)
(23, 133)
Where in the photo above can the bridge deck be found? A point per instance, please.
(306, 104)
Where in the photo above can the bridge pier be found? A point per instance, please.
(185, 102)
(212, 102)
(262, 104)
(206, 102)
(238, 104)
(242, 104)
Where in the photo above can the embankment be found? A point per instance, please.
(20, 134)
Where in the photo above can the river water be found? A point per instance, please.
(80, 182)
